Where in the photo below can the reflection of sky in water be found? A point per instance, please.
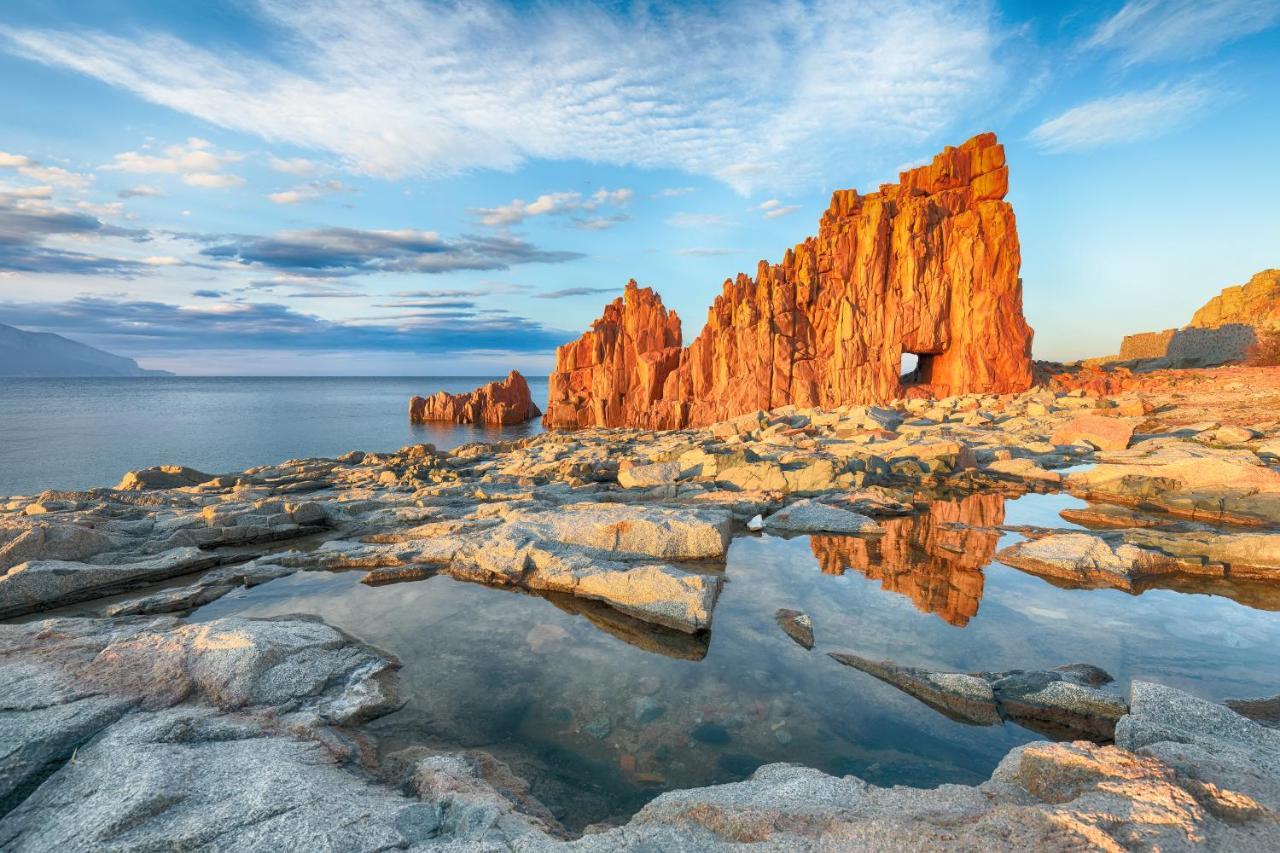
(599, 725)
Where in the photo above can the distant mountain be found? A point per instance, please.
(43, 354)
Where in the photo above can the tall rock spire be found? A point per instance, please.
(926, 266)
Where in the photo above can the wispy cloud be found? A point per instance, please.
(698, 220)
(575, 291)
(336, 252)
(308, 192)
(300, 166)
(141, 191)
(601, 83)
(37, 171)
(552, 204)
(1157, 30)
(674, 192)
(1123, 118)
(707, 251)
(774, 209)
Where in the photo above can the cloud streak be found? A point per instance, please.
(28, 223)
(337, 252)
(555, 204)
(1161, 30)
(1123, 118)
(606, 84)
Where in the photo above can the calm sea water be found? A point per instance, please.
(82, 433)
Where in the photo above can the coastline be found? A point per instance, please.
(634, 522)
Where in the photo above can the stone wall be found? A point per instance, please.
(1191, 347)
(1220, 332)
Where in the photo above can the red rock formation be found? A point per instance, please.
(926, 266)
(498, 403)
(926, 557)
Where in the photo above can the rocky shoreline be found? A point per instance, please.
(139, 728)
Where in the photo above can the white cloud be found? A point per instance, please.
(1123, 118)
(707, 251)
(162, 261)
(698, 220)
(673, 192)
(196, 160)
(141, 191)
(212, 180)
(558, 204)
(37, 171)
(26, 193)
(407, 87)
(308, 192)
(1153, 30)
(774, 209)
(106, 210)
(195, 156)
(55, 175)
(292, 165)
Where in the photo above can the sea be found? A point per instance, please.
(85, 433)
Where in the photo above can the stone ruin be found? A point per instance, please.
(1221, 332)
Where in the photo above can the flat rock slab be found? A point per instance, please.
(41, 584)
(811, 516)
(962, 697)
(1101, 432)
(632, 531)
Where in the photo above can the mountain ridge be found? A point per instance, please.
(45, 355)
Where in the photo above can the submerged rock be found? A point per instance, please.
(796, 625)
(963, 697)
(1063, 702)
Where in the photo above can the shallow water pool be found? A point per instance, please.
(601, 712)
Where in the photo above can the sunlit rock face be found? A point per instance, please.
(495, 404)
(926, 266)
(934, 558)
(1255, 303)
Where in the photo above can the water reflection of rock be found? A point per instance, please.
(635, 632)
(935, 558)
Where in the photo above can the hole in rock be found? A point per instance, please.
(917, 368)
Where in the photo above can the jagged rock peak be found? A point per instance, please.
(926, 266)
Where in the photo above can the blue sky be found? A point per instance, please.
(408, 187)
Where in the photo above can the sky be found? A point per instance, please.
(408, 187)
